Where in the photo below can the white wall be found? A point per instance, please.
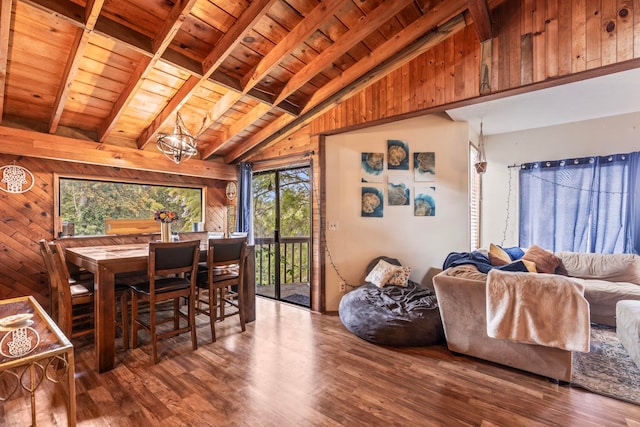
(598, 137)
(418, 242)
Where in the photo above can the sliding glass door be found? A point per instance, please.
(282, 233)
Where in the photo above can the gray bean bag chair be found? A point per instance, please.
(392, 315)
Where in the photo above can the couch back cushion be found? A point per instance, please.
(611, 267)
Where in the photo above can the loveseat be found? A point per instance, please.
(462, 298)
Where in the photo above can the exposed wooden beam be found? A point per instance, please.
(220, 52)
(276, 131)
(353, 36)
(481, 20)
(247, 120)
(319, 15)
(174, 105)
(21, 142)
(176, 17)
(5, 26)
(92, 12)
(433, 17)
(232, 38)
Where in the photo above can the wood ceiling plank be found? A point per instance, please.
(256, 10)
(431, 19)
(298, 35)
(247, 120)
(80, 42)
(158, 46)
(5, 26)
(281, 128)
(349, 39)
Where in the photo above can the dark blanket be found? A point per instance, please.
(481, 261)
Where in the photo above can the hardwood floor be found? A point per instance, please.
(295, 368)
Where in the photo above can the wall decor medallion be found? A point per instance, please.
(15, 178)
(19, 342)
(231, 190)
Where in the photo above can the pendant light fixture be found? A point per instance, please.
(179, 145)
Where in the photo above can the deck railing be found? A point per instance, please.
(294, 260)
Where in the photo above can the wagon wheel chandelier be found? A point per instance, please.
(179, 145)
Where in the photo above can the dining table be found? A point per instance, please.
(105, 262)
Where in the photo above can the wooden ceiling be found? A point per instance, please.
(116, 72)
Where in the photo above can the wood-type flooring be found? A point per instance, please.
(296, 368)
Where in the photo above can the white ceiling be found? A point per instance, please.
(604, 96)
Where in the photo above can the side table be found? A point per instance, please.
(33, 348)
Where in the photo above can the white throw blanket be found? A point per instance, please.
(541, 309)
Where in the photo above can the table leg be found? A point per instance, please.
(71, 378)
(104, 297)
(32, 392)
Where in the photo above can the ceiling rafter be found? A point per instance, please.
(353, 36)
(284, 126)
(297, 36)
(5, 25)
(80, 42)
(479, 11)
(247, 120)
(431, 19)
(142, 44)
(256, 10)
(158, 45)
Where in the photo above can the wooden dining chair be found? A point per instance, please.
(225, 270)
(171, 276)
(72, 301)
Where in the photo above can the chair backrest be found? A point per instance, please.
(226, 251)
(167, 258)
(61, 304)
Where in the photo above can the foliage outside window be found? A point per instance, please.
(88, 203)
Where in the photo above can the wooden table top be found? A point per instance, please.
(111, 252)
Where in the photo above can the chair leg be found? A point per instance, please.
(213, 309)
(192, 321)
(152, 330)
(240, 301)
(134, 321)
(124, 319)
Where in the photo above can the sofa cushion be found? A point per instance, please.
(545, 261)
(603, 296)
(611, 267)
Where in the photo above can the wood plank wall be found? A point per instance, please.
(536, 43)
(28, 217)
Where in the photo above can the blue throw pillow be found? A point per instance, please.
(514, 252)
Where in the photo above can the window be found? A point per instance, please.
(475, 199)
(84, 205)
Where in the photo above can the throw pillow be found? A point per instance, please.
(400, 277)
(545, 261)
(381, 273)
(514, 252)
(497, 255)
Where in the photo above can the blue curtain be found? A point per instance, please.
(581, 205)
(243, 224)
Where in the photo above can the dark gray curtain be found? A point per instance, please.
(243, 224)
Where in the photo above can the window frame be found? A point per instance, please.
(474, 178)
(57, 221)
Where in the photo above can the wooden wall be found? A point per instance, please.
(536, 44)
(28, 217)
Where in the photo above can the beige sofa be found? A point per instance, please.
(461, 293)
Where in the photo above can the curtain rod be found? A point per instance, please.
(273, 159)
(514, 166)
